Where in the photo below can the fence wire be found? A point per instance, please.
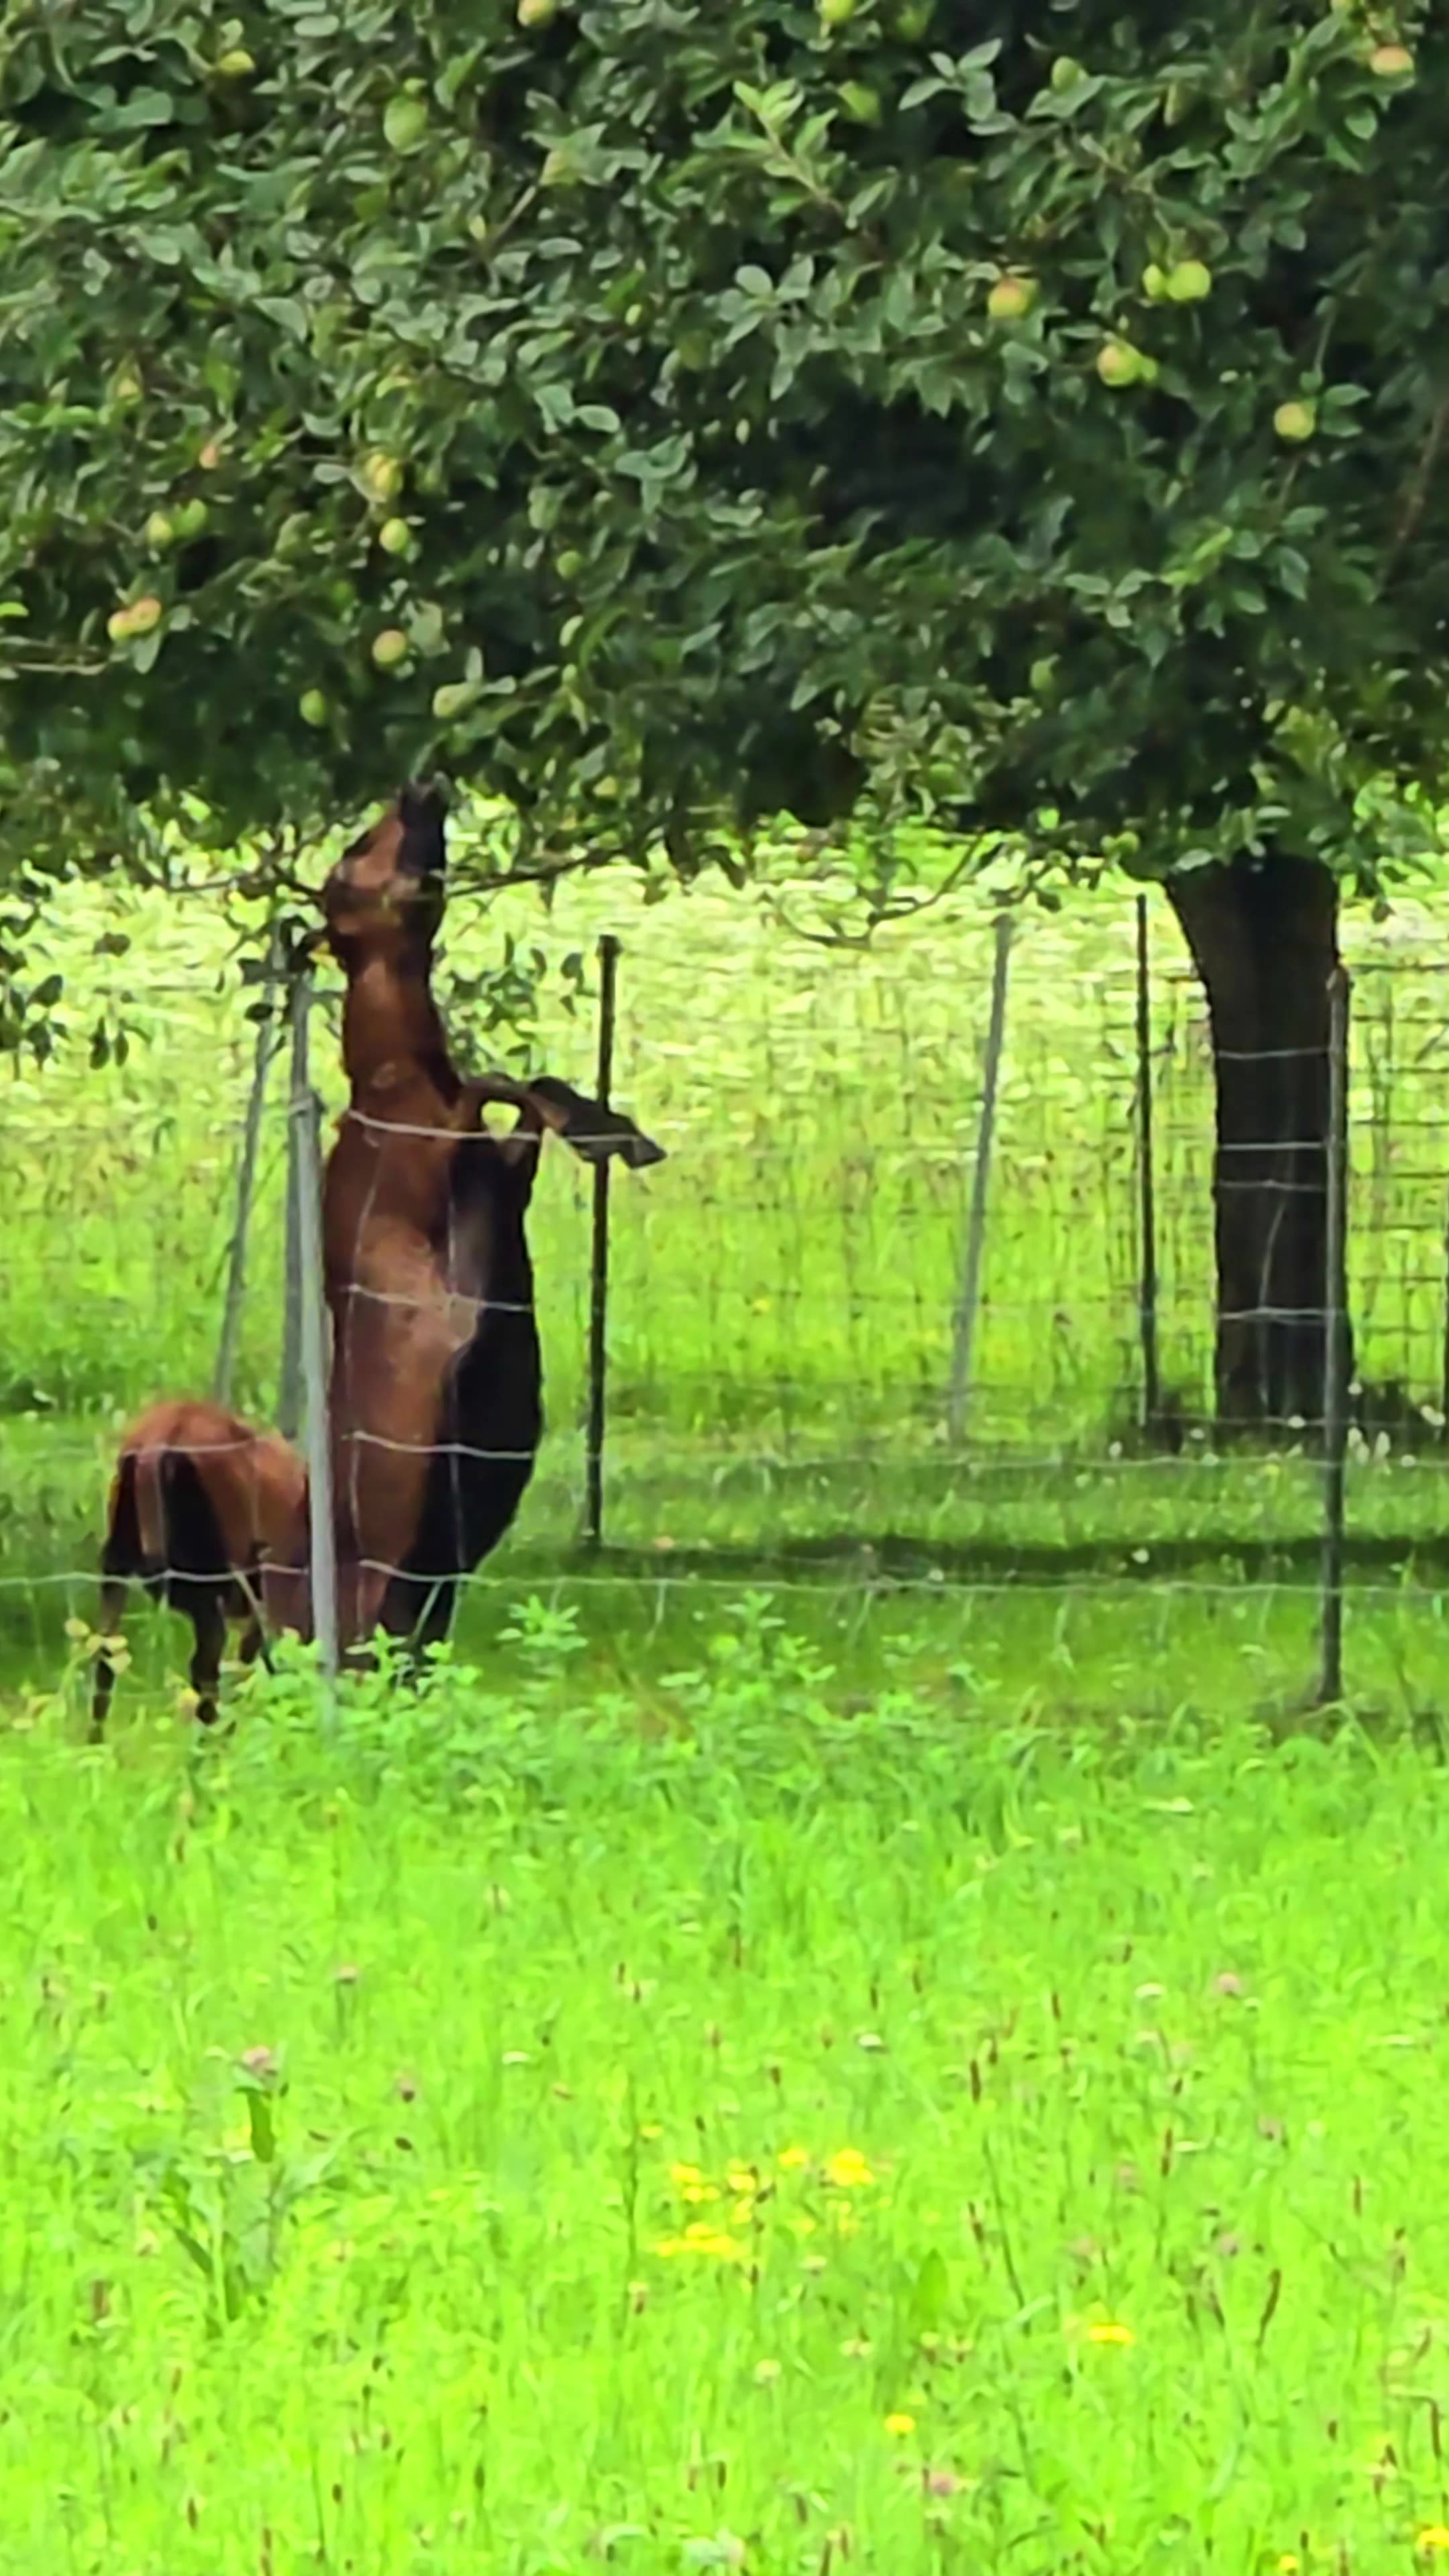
(783, 1291)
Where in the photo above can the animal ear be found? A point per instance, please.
(593, 1131)
(423, 800)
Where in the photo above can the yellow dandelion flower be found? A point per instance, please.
(790, 2159)
(899, 2424)
(703, 2239)
(683, 2175)
(696, 2193)
(1434, 2536)
(1287, 2565)
(1107, 2330)
(704, 2236)
(740, 2178)
(848, 2169)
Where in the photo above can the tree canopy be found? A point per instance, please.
(1025, 414)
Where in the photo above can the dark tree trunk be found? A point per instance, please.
(1264, 938)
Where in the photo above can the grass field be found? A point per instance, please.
(546, 2129)
(866, 2027)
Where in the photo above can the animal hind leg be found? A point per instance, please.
(418, 1614)
(436, 1616)
(254, 1634)
(112, 1603)
(209, 1621)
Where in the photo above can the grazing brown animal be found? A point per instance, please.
(198, 1501)
(436, 1400)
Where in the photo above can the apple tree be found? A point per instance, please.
(1026, 417)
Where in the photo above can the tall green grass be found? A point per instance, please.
(530, 2129)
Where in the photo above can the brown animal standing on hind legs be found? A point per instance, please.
(198, 1502)
(436, 1397)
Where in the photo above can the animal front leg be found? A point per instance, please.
(112, 1603)
(360, 1591)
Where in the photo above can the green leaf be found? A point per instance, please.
(930, 2292)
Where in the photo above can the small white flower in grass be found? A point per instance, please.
(726, 2549)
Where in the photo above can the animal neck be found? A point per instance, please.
(390, 1026)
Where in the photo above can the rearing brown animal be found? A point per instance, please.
(436, 1397)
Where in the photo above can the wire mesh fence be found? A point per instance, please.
(785, 1296)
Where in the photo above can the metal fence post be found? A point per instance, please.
(965, 1323)
(289, 1384)
(305, 1120)
(1444, 1358)
(1146, 1182)
(246, 1182)
(1335, 1346)
(599, 1256)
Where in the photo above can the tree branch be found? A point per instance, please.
(1417, 493)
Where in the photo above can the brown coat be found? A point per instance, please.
(198, 1503)
(436, 1397)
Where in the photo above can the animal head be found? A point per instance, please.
(547, 1106)
(491, 1177)
(385, 896)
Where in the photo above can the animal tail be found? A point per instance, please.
(150, 1467)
